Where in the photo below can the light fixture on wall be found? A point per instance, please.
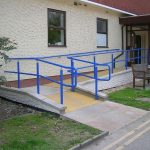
(76, 3)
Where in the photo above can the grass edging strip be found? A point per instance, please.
(89, 141)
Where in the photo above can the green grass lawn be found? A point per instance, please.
(42, 131)
(128, 97)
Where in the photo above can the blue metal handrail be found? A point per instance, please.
(59, 56)
(75, 70)
(103, 52)
(54, 64)
(96, 65)
(95, 77)
(95, 53)
(38, 75)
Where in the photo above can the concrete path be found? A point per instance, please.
(106, 116)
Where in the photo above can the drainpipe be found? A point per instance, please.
(122, 28)
(149, 44)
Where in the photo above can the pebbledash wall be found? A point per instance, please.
(25, 21)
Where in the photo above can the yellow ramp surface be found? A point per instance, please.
(75, 100)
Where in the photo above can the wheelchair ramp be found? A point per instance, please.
(29, 97)
(117, 79)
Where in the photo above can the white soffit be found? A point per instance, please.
(108, 7)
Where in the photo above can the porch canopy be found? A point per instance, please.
(134, 25)
(135, 20)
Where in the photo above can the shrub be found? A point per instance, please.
(6, 45)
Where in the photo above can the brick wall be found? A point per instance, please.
(25, 21)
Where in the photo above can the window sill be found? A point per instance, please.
(61, 46)
(102, 46)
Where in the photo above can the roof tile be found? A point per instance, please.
(139, 7)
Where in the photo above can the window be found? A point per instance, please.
(102, 32)
(56, 28)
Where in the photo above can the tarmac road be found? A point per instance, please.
(141, 143)
(135, 136)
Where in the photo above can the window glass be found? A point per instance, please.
(101, 40)
(101, 26)
(56, 37)
(102, 33)
(56, 19)
(56, 28)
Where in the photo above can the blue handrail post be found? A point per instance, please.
(96, 82)
(76, 76)
(72, 75)
(18, 74)
(112, 60)
(148, 56)
(126, 60)
(96, 79)
(61, 87)
(94, 58)
(37, 77)
(138, 56)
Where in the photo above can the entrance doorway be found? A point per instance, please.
(138, 44)
(135, 42)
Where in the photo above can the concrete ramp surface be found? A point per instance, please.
(117, 79)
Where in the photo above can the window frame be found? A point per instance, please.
(106, 20)
(59, 28)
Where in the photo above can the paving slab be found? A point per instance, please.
(106, 116)
(144, 99)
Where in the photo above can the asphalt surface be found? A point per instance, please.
(134, 136)
(142, 143)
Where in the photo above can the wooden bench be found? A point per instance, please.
(141, 71)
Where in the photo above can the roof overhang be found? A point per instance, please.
(135, 20)
(108, 7)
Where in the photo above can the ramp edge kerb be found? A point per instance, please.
(89, 141)
(100, 94)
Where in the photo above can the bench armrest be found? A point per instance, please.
(139, 74)
(140, 71)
